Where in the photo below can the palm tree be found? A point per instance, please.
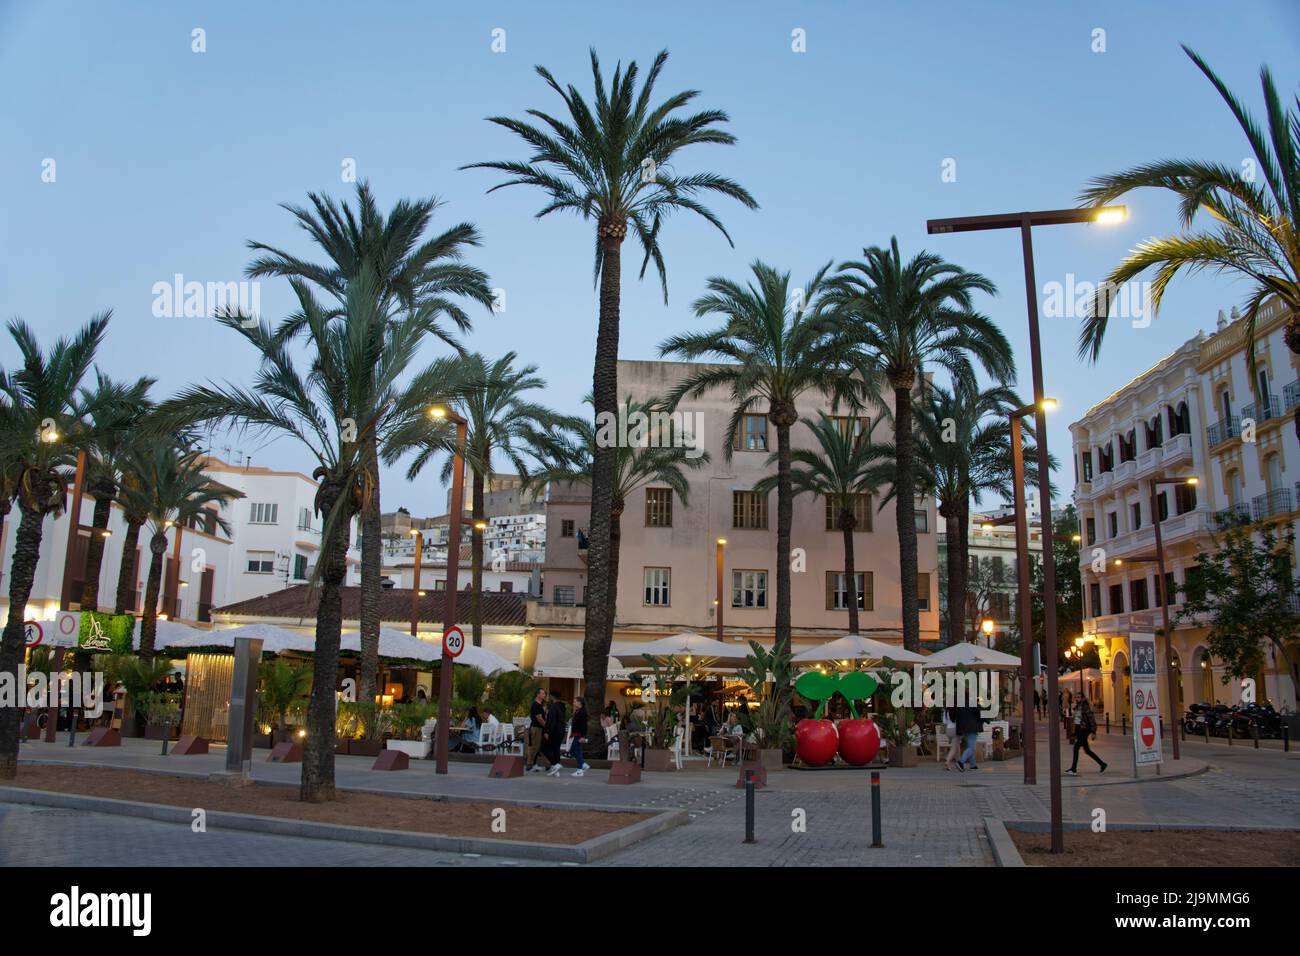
(381, 267)
(571, 458)
(350, 391)
(173, 492)
(777, 343)
(840, 470)
(1254, 233)
(899, 317)
(964, 444)
(503, 423)
(115, 427)
(611, 162)
(38, 407)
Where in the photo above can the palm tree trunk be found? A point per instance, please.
(27, 551)
(595, 744)
(597, 630)
(963, 540)
(371, 571)
(850, 571)
(905, 504)
(126, 570)
(317, 783)
(476, 561)
(956, 575)
(149, 619)
(95, 553)
(784, 518)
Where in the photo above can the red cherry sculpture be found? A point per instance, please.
(859, 741)
(815, 742)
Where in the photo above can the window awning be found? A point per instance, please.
(562, 657)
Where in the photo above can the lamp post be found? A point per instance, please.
(442, 413)
(1164, 605)
(415, 581)
(1025, 221)
(718, 564)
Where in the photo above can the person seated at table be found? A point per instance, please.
(467, 740)
(490, 718)
(734, 728)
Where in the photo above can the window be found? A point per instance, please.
(261, 562)
(1162, 506)
(749, 589)
(656, 586)
(1086, 460)
(748, 510)
(1137, 592)
(751, 433)
(837, 590)
(658, 507)
(1273, 472)
(566, 527)
(1170, 588)
(300, 567)
(1091, 525)
(853, 427)
(563, 594)
(263, 513)
(861, 513)
(923, 592)
(1116, 596)
(998, 568)
(1094, 599)
(507, 587)
(1185, 498)
(922, 518)
(440, 584)
(1136, 508)
(1113, 519)
(304, 519)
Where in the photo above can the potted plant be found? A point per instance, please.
(412, 728)
(768, 679)
(658, 750)
(162, 712)
(135, 677)
(370, 721)
(283, 691)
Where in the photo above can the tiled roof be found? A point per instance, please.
(500, 609)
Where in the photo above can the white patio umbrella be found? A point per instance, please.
(855, 647)
(275, 640)
(971, 655)
(394, 644)
(165, 634)
(693, 650)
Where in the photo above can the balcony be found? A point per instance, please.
(1102, 482)
(1258, 412)
(1271, 504)
(1125, 470)
(543, 614)
(1222, 431)
(1232, 515)
(1177, 450)
(1291, 396)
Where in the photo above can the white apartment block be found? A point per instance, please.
(1193, 414)
(273, 543)
(992, 545)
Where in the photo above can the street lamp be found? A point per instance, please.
(1028, 679)
(1025, 221)
(1164, 604)
(416, 593)
(718, 563)
(442, 413)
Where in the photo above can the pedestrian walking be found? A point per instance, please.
(1085, 725)
(950, 729)
(537, 733)
(553, 736)
(578, 734)
(970, 724)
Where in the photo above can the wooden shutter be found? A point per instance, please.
(169, 593)
(868, 592)
(830, 590)
(206, 587)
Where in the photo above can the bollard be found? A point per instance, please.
(1286, 737)
(1254, 732)
(167, 732)
(1108, 724)
(749, 806)
(1207, 731)
(1229, 732)
(72, 726)
(875, 810)
(1123, 724)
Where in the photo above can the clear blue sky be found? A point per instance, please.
(168, 160)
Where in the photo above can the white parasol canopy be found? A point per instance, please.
(971, 655)
(166, 633)
(275, 640)
(682, 646)
(855, 647)
(393, 644)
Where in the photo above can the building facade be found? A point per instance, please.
(991, 578)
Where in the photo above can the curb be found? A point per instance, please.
(1042, 826)
(592, 849)
(1004, 848)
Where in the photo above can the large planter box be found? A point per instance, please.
(156, 731)
(659, 760)
(263, 741)
(772, 759)
(902, 756)
(368, 748)
(418, 749)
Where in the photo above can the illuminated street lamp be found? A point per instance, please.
(443, 413)
(416, 593)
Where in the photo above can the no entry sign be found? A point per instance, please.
(453, 641)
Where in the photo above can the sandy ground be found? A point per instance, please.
(1162, 848)
(534, 824)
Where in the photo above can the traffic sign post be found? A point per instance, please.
(1146, 702)
(33, 634)
(453, 641)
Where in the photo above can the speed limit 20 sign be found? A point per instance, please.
(453, 641)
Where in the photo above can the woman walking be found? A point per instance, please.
(553, 736)
(577, 734)
(1085, 725)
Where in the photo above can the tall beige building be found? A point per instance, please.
(667, 569)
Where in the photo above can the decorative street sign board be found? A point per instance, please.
(67, 629)
(1146, 699)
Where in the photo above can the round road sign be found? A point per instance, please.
(33, 633)
(1148, 731)
(453, 641)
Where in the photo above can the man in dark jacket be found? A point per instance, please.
(970, 724)
(537, 732)
(578, 735)
(553, 735)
